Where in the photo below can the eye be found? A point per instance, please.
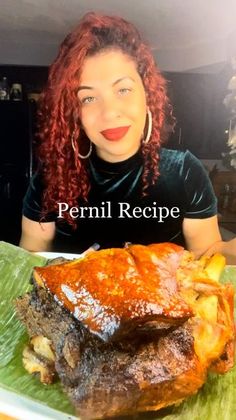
(124, 91)
(88, 99)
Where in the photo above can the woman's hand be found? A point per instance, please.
(228, 249)
(203, 237)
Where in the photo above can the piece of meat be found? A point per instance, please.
(114, 291)
(106, 379)
(162, 362)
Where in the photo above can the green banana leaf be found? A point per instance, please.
(15, 272)
(216, 400)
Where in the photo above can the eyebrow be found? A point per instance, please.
(113, 84)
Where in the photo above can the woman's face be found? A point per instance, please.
(113, 104)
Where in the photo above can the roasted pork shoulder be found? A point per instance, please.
(129, 330)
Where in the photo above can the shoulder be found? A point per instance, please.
(170, 160)
(37, 180)
(32, 202)
(171, 154)
(179, 161)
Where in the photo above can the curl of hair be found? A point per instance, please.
(65, 176)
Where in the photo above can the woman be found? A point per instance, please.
(103, 175)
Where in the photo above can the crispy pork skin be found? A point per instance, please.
(121, 289)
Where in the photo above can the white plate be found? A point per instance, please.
(24, 408)
(51, 255)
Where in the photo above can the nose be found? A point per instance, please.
(110, 109)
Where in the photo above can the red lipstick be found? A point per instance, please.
(114, 134)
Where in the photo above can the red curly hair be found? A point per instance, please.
(65, 175)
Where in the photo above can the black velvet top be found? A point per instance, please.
(120, 212)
